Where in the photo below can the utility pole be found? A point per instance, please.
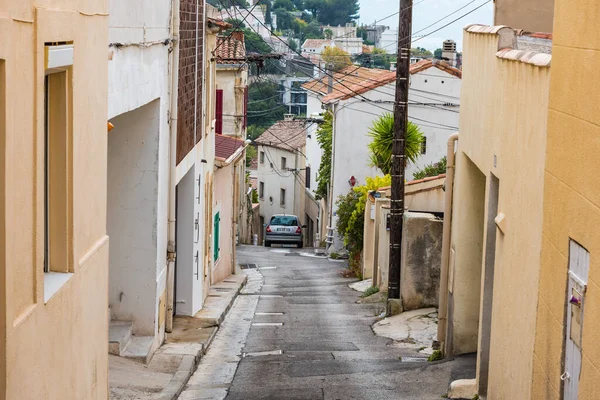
(399, 154)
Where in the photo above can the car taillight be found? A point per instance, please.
(299, 230)
(269, 228)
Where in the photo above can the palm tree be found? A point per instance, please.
(382, 133)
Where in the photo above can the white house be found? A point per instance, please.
(254, 20)
(139, 103)
(282, 172)
(357, 97)
(434, 105)
(346, 38)
(313, 48)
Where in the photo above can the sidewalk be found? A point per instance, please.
(176, 360)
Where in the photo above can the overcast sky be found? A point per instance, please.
(426, 12)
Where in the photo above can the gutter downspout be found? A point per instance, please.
(171, 245)
(331, 178)
(446, 243)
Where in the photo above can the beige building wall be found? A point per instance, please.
(502, 135)
(55, 349)
(571, 197)
(530, 15)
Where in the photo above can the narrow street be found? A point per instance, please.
(297, 332)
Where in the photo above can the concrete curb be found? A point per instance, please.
(182, 376)
(189, 363)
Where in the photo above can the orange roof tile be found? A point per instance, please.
(349, 82)
(231, 49)
(226, 146)
(353, 81)
(289, 135)
(317, 43)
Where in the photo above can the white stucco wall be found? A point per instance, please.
(232, 79)
(132, 222)
(138, 76)
(353, 119)
(313, 150)
(276, 179)
(436, 121)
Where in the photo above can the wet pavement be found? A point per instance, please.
(297, 332)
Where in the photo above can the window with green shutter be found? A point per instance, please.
(216, 236)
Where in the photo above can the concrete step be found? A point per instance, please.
(139, 349)
(119, 336)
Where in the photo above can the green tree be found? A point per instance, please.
(431, 170)
(324, 138)
(284, 4)
(333, 12)
(351, 217)
(381, 59)
(312, 30)
(437, 54)
(421, 52)
(337, 57)
(292, 44)
(251, 154)
(264, 106)
(382, 135)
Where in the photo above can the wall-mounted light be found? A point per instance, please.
(110, 127)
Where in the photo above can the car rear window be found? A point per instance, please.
(284, 221)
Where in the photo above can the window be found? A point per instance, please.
(262, 157)
(261, 190)
(283, 164)
(57, 201)
(307, 179)
(219, 112)
(424, 145)
(282, 197)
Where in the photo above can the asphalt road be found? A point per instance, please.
(306, 338)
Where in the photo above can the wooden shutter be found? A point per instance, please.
(307, 177)
(216, 233)
(219, 112)
(245, 108)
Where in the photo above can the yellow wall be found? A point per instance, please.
(56, 350)
(502, 132)
(571, 196)
(530, 15)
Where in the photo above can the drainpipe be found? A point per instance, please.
(443, 303)
(331, 177)
(171, 246)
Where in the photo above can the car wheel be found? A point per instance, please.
(267, 244)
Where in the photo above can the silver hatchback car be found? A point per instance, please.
(284, 229)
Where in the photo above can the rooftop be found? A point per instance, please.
(349, 82)
(317, 43)
(226, 146)
(533, 48)
(231, 49)
(353, 80)
(289, 134)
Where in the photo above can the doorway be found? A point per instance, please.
(188, 280)
(579, 266)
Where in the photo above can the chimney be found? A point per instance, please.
(449, 52)
(238, 35)
(288, 117)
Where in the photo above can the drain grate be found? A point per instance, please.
(293, 255)
(248, 266)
